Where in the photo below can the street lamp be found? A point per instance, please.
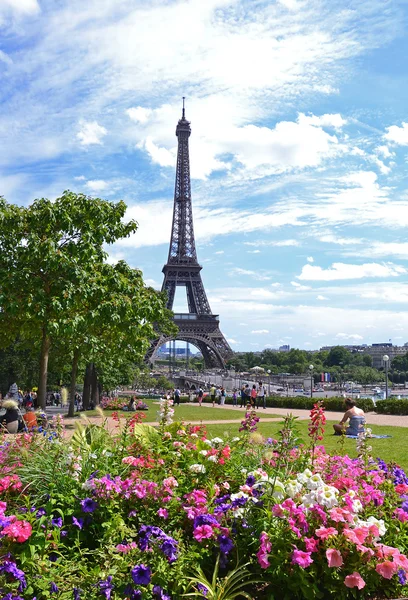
(311, 380)
(269, 382)
(386, 360)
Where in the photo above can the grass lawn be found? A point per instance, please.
(184, 412)
(389, 449)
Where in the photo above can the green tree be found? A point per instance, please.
(47, 252)
(400, 363)
(338, 356)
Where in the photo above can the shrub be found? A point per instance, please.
(392, 406)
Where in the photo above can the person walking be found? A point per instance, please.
(222, 397)
(177, 394)
(242, 397)
(234, 397)
(253, 396)
(200, 396)
(212, 394)
(261, 396)
(218, 395)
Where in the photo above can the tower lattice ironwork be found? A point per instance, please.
(199, 326)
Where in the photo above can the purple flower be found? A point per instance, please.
(141, 574)
(40, 513)
(250, 480)
(402, 577)
(205, 520)
(131, 593)
(53, 588)
(57, 522)
(88, 505)
(78, 522)
(226, 544)
(160, 594)
(106, 587)
(201, 588)
(76, 593)
(12, 569)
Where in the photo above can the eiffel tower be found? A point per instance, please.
(199, 326)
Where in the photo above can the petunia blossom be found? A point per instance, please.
(386, 569)
(334, 557)
(303, 559)
(354, 580)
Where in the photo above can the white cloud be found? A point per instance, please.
(330, 238)
(260, 331)
(384, 151)
(339, 271)
(320, 297)
(91, 133)
(232, 341)
(349, 336)
(139, 114)
(97, 185)
(310, 259)
(380, 249)
(273, 243)
(336, 121)
(219, 252)
(299, 287)
(80, 178)
(237, 271)
(23, 7)
(253, 251)
(398, 135)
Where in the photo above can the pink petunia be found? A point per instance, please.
(386, 569)
(312, 545)
(162, 512)
(326, 532)
(334, 558)
(354, 580)
(3, 506)
(19, 531)
(202, 532)
(303, 559)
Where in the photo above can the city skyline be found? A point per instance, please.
(298, 148)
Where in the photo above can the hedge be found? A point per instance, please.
(392, 406)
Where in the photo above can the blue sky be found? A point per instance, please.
(298, 148)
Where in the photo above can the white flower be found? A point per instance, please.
(326, 498)
(303, 477)
(357, 506)
(203, 452)
(93, 455)
(212, 458)
(216, 441)
(279, 490)
(88, 485)
(380, 524)
(196, 468)
(235, 439)
(194, 435)
(208, 442)
(314, 482)
(309, 499)
(293, 487)
(244, 470)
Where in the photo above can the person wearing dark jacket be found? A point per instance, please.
(11, 418)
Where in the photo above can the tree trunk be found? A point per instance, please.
(94, 386)
(87, 386)
(42, 384)
(74, 370)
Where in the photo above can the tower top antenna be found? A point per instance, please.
(184, 110)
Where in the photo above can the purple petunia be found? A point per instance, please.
(12, 569)
(40, 513)
(78, 522)
(76, 593)
(141, 574)
(201, 588)
(53, 588)
(88, 505)
(160, 594)
(226, 544)
(167, 544)
(57, 522)
(105, 587)
(402, 577)
(131, 593)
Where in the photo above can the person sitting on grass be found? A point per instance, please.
(10, 420)
(30, 418)
(357, 420)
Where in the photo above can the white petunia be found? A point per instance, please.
(196, 468)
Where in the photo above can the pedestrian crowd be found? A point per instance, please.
(255, 396)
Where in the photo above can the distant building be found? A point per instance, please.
(376, 351)
(284, 348)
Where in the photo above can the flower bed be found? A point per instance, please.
(121, 404)
(155, 513)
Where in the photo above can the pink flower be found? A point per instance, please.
(162, 512)
(354, 580)
(386, 569)
(312, 545)
(325, 532)
(19, 531)
(334, 558)
(3, 506)
(401, 515)
(301, 558)
(203, 531)
(264, 549)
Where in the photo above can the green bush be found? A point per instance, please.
(392, 406)
(304, 402)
